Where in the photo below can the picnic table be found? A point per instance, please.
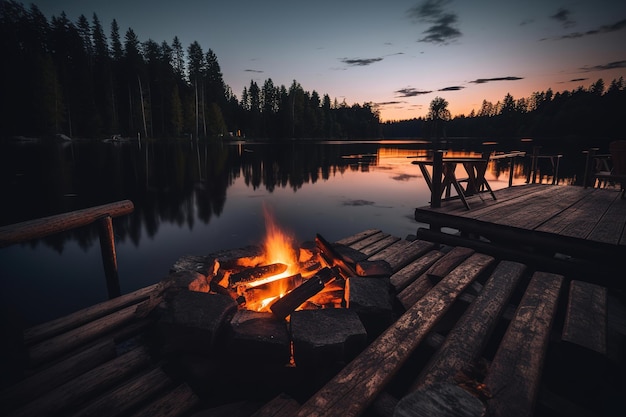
(474, 183)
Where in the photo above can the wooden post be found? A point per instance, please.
(532, 175)
(435, 197)
(109, 258)
(590, 155)
(511, 170)
(555, 178)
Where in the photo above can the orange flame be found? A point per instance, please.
(279, 246)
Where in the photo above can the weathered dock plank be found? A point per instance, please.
(350, 240)
(581, 217)
(401, 279)
(540, 209)
(514, 374)
(126, 396)
(369, 240)
(515, 197)
(610, 227)
(586, 316)
(401, 254)
(379, 245)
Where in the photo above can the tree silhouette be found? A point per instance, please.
(438, 113)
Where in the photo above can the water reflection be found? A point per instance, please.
(194, 198)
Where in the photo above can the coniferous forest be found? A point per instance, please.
(83, 79)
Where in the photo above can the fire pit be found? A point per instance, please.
(299, 305)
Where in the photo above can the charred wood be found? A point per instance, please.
(333, 258)
(285, 305)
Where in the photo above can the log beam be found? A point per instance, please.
(38, 228)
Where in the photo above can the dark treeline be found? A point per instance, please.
(594, 112)
(63, 77)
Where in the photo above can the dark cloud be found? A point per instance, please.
(563, 16)
(604, 67)
(488, 80)
(442, 22)
(253, 70)
(360, 62)
(453, 88)
(389, 103)
(578, 79)
(526, 22)
(411, 92)
(602, 29)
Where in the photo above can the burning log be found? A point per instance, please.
(256, 273)
(333, 257)
(329, 299)
(285, 305)
(310, 267)
(255, 296)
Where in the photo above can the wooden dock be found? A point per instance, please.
(486, 334)
(567, 229)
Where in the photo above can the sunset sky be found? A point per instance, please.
(398, 54)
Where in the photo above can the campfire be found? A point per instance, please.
(285, 277)
(280, 302)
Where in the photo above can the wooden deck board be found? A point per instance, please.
(586, 316)
(610, 227)
(581, 217)
(514, 374)
(535, 210)
(513, 198)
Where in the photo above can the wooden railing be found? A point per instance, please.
(46, 226)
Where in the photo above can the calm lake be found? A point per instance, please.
(196, 199)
